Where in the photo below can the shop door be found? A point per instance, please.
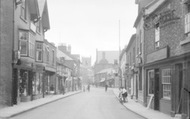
(156, 90)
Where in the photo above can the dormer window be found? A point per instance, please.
(157, 35)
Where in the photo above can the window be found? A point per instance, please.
(151, 82)
(140, 43)
(140, 79)
(47, 54)
(166, 83)
(39, 52)
(134, 55)
(23, 9)
(53, 57)
(32, 46)
(23, 37)
(38, 25)
(157, 36)
(187, 19)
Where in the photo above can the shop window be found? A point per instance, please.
(157, 36)
(37, 84)
(140, 79)
(23, 83)
(166, 83)
(151, 82)
(39, 51)
(23, 10)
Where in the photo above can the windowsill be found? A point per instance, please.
(187, 40)
(166, 99)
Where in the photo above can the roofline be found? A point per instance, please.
(153, 6)
(133, 37)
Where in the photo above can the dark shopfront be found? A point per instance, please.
(49, 81)
(167, 81)
(22, 83)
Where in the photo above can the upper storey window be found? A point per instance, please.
(157, 36)
(23, 10)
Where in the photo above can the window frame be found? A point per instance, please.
(166, 83)
(39, 50)
(157, 35)
(47, 54)
(26, 39)
(152, 78)
(23, 13)
(31, 45)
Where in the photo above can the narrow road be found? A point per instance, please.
(96, 104)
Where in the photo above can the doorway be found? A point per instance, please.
(15, 86)
(157, 90)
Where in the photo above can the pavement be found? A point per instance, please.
(8, 112)
(139, 109)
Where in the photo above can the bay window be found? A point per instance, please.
(27, 43)
(23, 37)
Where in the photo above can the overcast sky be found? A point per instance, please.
(88, 25)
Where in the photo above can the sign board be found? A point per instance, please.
(158, 55)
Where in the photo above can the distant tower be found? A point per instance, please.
(69, 49)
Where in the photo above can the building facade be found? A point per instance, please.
(166, 56)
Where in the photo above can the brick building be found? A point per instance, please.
(166, 56)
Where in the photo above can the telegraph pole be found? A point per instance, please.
(120, 78)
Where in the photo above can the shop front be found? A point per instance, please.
(23, 76)
(37, 84)
(49, 81)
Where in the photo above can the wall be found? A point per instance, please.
(6, 40)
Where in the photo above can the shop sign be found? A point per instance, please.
(161, 18)
(158, 55)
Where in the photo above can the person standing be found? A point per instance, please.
(88, 87)
(124, 94)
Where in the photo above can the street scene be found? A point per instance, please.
(95, 59)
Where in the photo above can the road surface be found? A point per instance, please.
(96, 104)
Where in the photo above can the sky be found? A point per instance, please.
(88, 25)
